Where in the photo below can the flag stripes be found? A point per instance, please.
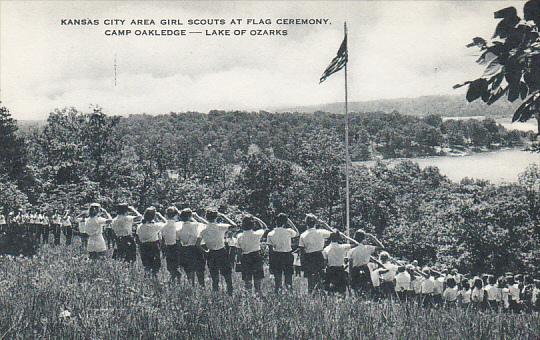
(339, 61)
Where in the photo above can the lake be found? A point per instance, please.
(496, 166)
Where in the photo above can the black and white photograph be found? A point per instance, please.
(269, 169)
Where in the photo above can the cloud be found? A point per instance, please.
(397, 49)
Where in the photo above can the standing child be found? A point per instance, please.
(191, 257)
(56, 226)
(149, 234)
(122, 227)
(359, 258)
(438, 288)
(451, 293)
(478, 293)
(427, 287)
(505, 294)
(416, 281)
(535, 298)
(282, 259)
(218, 258)
(44, 222)
(493, 293)
(403, 283)
(168, 233)
(249, 242)
(67, 227)
(97, 218)
(513, 294)
(334, 253)
(387, 275)
(81, 223)
(3, 222)
(526, 293)
(311, 245)
(465, 293)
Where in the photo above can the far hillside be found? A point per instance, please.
(445, 106)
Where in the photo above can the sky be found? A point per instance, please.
(396, 49)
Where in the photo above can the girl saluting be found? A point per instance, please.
(97, 218)
(149, 235)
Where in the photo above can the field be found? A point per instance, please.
(109, 300)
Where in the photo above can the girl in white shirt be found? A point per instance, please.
(149, 233)
(465, 293)
(67, 227)
(493, 293)
(478, 293)
(56, 226)
(97, 217)
(168, 233)
(387, 275)
(427, 287)
(280, 256)
(535, 296)
(122, 227)
(513, 294)
(217, 257)
(44, 224)
(191, 257)
(403, 283)
(451, 293)
(3, 223)
(311, 245)
(359, 258)
(249, 242)
(334, 253)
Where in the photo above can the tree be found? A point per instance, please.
(13, 157)
(11, 198)
(512, 60)
(266, 185)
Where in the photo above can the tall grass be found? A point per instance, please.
(109, 300)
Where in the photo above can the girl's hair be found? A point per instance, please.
(451, 282)
(510, 280)
(492, 280)
(359, 235)
(465, 284)
(211, 215)
(122, 209)
(186, 214)
(248, 223)
(310, 221)
(149, 215)
(171, 212)
(281, 219)
(384, 256)
(93, 211)
(478, 283)
(334, 237)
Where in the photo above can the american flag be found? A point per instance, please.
(339, 61)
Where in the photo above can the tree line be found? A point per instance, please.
(267, 163)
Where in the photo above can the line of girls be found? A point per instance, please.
(38, 225)
(191, 243)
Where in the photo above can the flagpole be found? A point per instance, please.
(347, 158)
